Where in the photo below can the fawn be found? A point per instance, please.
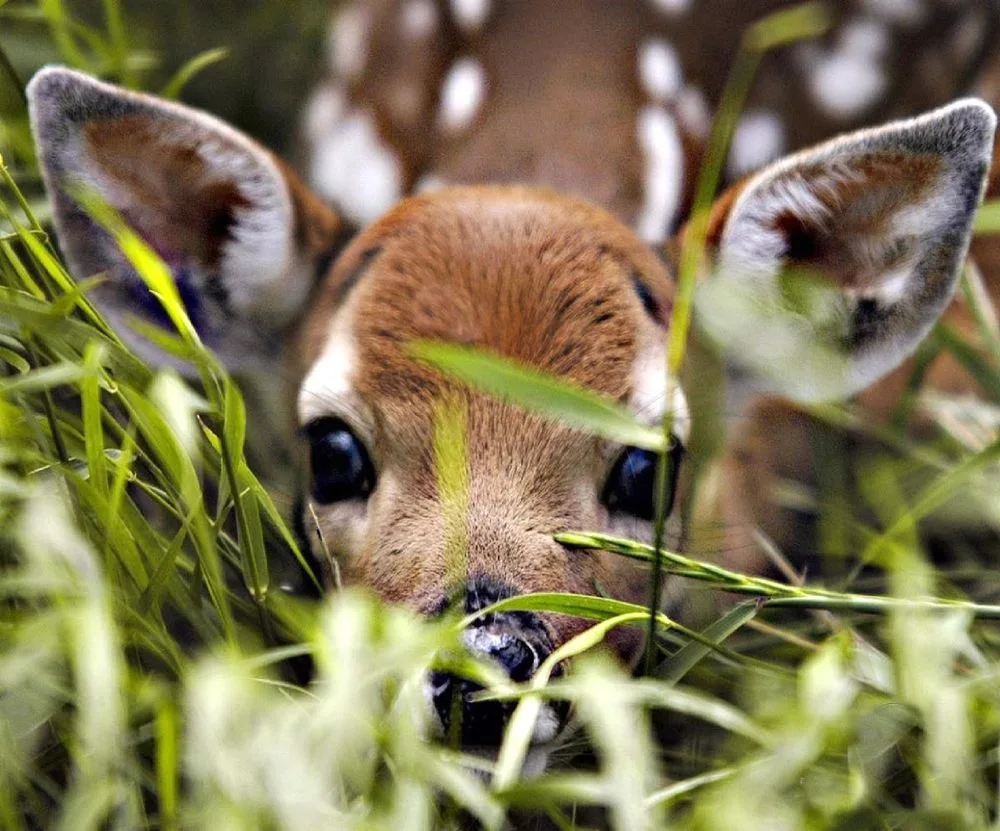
(514, 176)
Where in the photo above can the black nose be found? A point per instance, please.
(518, 658)
(517, 642)
(482, 723)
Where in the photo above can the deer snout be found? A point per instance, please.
(518, 643)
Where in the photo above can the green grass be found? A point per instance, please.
(147, 649)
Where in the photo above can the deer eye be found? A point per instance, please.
(341, 467)
(631, 486)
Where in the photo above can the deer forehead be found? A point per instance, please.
(545, 280)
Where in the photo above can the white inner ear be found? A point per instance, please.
(260, 251)
(752, 247)
(261, 244)
(888, 252)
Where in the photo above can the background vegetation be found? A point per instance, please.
(150, 656)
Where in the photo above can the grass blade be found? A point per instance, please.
(541, 393)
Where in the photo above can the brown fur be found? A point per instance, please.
(534, 277)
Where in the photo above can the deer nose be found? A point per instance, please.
(482, 723)
(518, 643)
(517, 657)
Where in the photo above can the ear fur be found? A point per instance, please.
(236, 228)
(832, 265)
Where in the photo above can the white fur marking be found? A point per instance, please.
(353, 168)
(462, 94)
(692, 112)
(470, 15)
(661, 146)
(649, 392)
(260, 248)
(903, 12)
(849, 79)
(349, 41)
(535, 762)
(759, 138)
(329, 381)
(847, 86)
(660, 70)
(420, 18)
(324, 110)
(429, 182)
(891, 286)
(546, 726)
(864, 37)
(672, 7)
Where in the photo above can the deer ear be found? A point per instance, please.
(238, 231)
(831, 266)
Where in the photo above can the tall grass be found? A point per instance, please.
(150, 657)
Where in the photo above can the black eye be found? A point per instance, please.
(341, 467)
(631, 487)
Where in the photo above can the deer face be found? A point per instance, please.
(880, 218)
(550, 282)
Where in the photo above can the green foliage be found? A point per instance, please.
(148, 651)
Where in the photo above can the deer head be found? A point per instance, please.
(272, 278)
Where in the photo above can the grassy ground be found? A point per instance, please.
(148, 654)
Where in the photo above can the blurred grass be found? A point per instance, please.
(281, 43)
(147, 656)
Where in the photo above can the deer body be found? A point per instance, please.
(609, 101)
(571, 132)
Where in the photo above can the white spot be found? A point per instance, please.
(660, 70)
(864, 37)
(353, 168)
(324, 110)
(547, 725)
(891, 287)
(672, 7)
(420, 18)
(328, 385)
(903, 12)
(692, 112)
(849, 79)
(847, 86)
(462, 94)
(661, 147)
(535, 761)
(470, 15)
(349, 41)
(759, 138)
(260, 247)
(429, 182)
(649, 391)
